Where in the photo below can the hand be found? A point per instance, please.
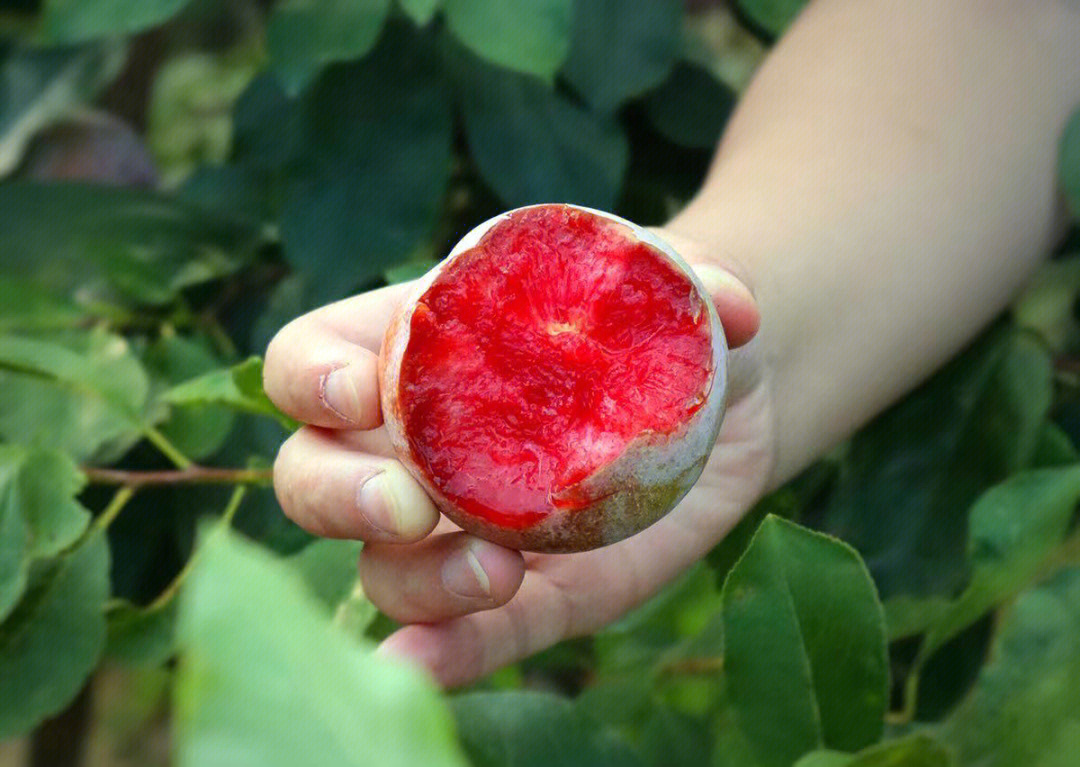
(472, 606)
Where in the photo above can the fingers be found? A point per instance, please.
(442, 577)
(734, 302)
(333, 491)
(322, 368)
(461, 650)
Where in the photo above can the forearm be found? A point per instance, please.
(887, 184)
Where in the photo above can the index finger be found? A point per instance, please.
(322, 368)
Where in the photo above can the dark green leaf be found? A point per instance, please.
(530, 36)
(909, 478)
(1014, 527)
(690, 108)
(912, 751)
(1025, 709)
(906, 615)
(1069, 164)
(54, 637)
(374, 166)
(264, 678)
(38, 86)
(1054, 448)
(72, 21)
(197, 429)
(238, 387)
(622, 49)
(805, 658)
(772, 15)
(144, 246)
(141, 636)
(88, 400)
(532, 144)
(420, 11)
(39, 516)
(521, 729)
(303, 36)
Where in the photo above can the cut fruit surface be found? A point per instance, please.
(538, 356)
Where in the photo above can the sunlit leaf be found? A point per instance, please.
(87, 398)
(238, 387)
(39, 516)
(264, 679)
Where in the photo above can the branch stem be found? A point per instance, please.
(192, 475)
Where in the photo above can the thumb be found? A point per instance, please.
(734, 302)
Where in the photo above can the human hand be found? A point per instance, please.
(471, 606)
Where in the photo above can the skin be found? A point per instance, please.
(885, 187)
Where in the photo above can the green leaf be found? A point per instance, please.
(189, 117)
(621, 49)
(88, 401)
(906, 615)
(238, 387)
(26, 307)
(39, 516)
(197, 429)
(264, 678)
(362, 187)
(522, 729)
(531, 36)
(1046, 305)
(73, 21)
(1025, 708)
(141, 636)
(532, 144)
(1069, 164)
(53, 639)
(772, 15)
(329, 569)
(909, 478)
(690, 108)
(420, 11)
(39, 86)
(1014, 527)
(912, 751)
(805, 656)
(410, 270)
(143, 246)
(1055, 448)
(303, 36)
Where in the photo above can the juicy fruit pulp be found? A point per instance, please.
(538, 356)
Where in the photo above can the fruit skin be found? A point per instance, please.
(642, 485)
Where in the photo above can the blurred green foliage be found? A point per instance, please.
(181, 177)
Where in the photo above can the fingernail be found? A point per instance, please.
(719, 280)
(377, 504)
(340, 395)
(464, 575)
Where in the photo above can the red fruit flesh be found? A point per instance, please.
(536, 357)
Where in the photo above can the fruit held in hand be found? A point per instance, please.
(557, 383)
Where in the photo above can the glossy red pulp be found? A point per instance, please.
(537, 356)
